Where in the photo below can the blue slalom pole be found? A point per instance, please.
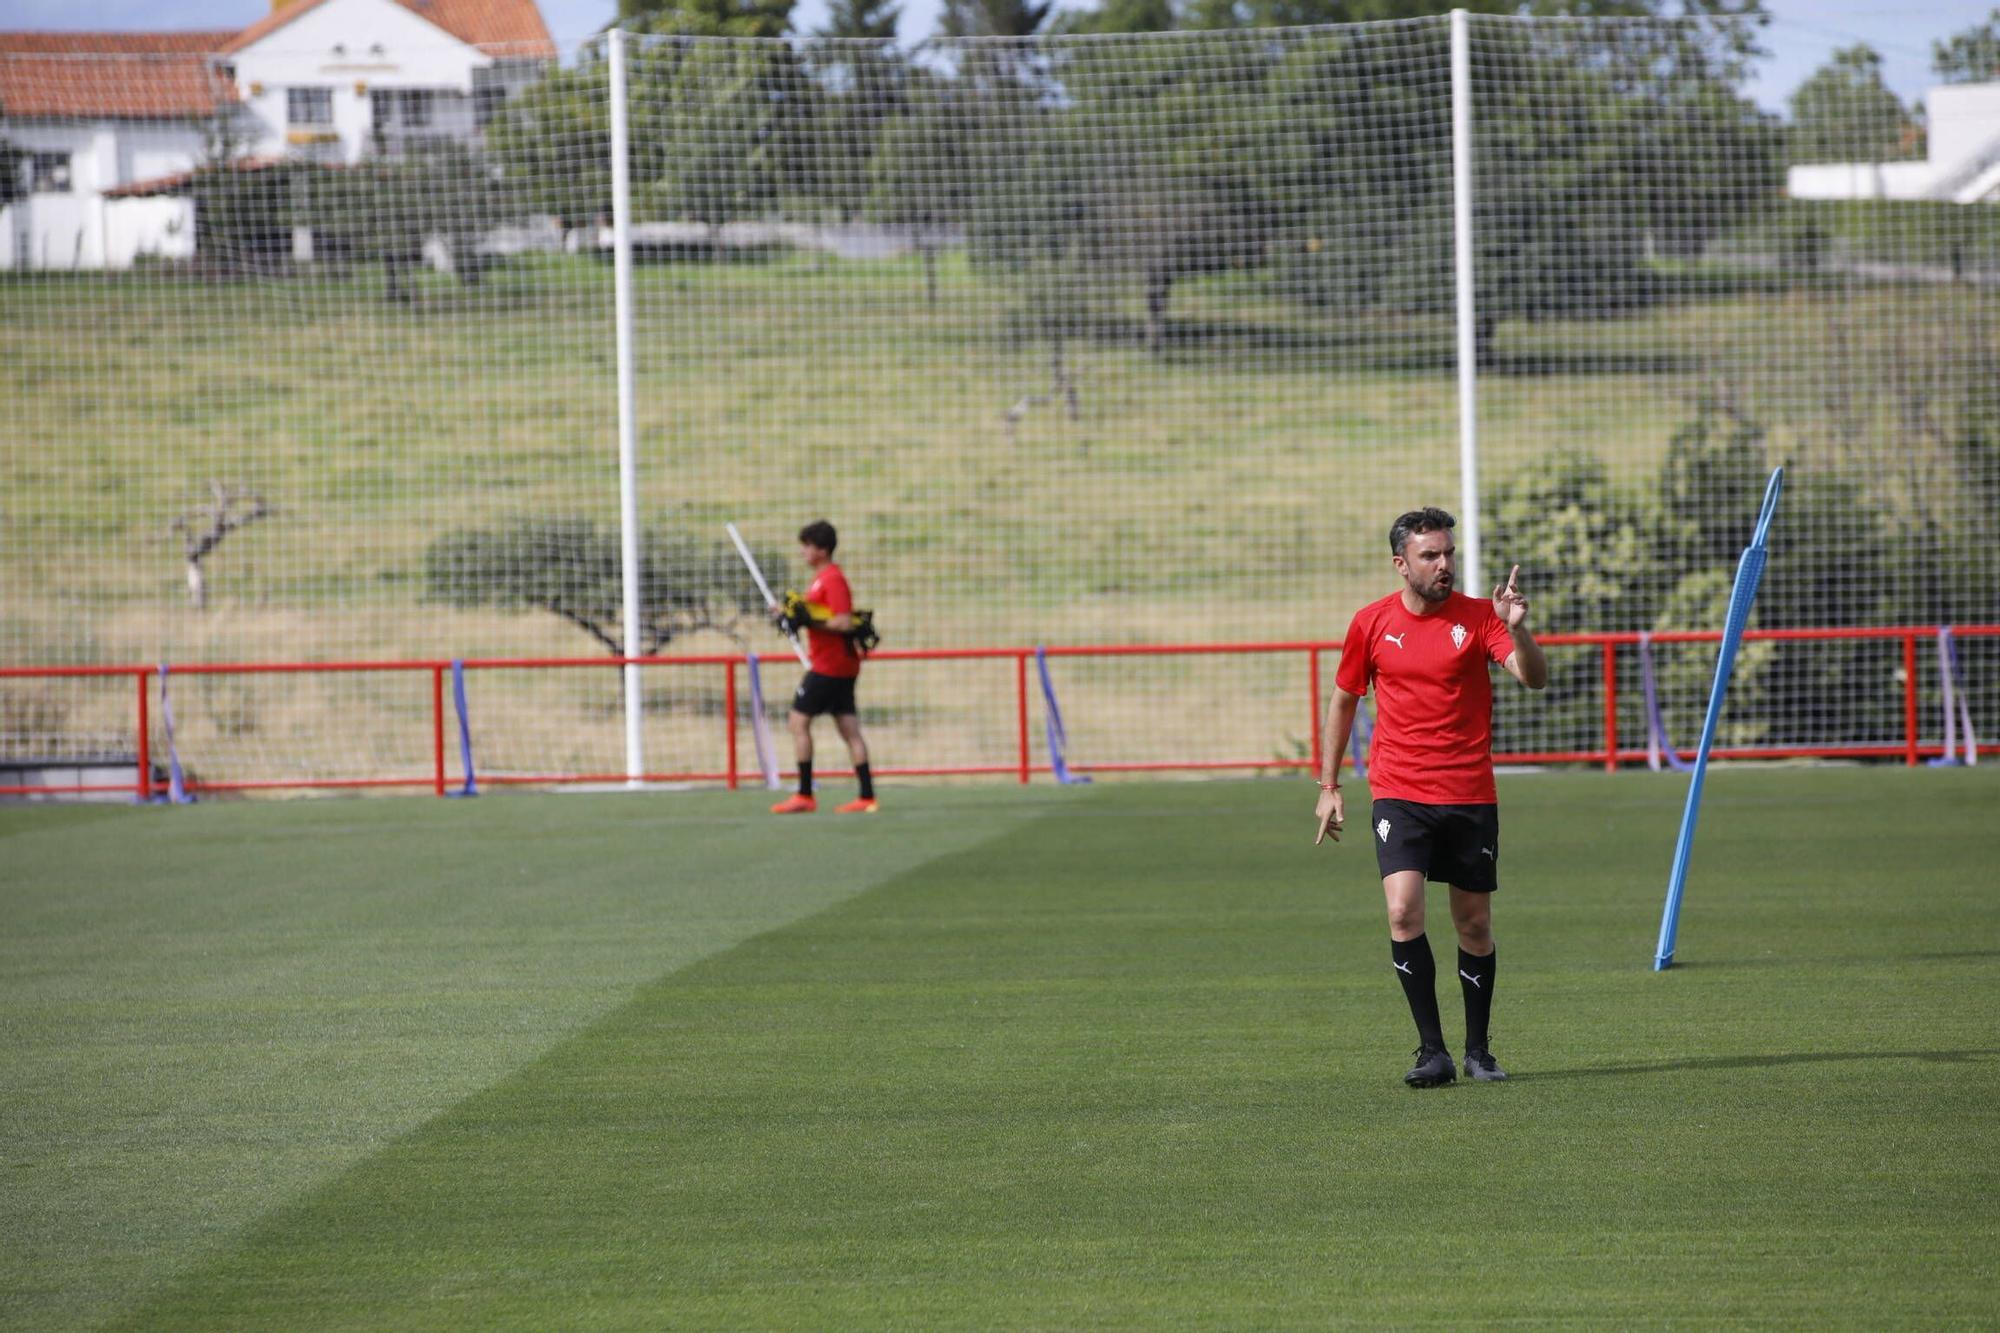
(1749, 571)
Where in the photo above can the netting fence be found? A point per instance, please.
(1076, 340)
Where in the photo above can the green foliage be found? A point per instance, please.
(1363, 151)
(994, 18)
(1971, 55)
(708, 18)
(385, 210)
(729, 124)
(1582, 544)
(1576, 535)
(1114, 16)
(1939, 235)
(1846, 112)
(860, 20)
(914, 175)
(572, 568)
(553, 141)
(382, 211)
(243, 219)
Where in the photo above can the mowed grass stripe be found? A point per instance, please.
(1134, 1063)
(206, 1012)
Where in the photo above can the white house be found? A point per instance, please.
(1963, 166)
(83, 113)
(335, 79)
(99, 131)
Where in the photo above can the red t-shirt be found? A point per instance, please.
(831, 654)
(1433, 701)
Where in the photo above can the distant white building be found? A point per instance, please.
(334, 79)
(1963, 166)
(80, 115)
(100, 131)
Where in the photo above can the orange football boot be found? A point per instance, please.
(795, 805)
(866, 805)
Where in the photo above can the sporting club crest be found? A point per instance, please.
(1458, 636)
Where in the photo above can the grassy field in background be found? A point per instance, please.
(1123, 1056)
(1193, 481)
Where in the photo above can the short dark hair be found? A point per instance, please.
(820, 533)
(1428, 519)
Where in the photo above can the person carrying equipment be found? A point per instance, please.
(837, 637)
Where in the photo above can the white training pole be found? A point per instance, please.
(1468, 335)
(628, 482)
(770, 598)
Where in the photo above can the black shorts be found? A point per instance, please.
(1457, 845)
(825, 694)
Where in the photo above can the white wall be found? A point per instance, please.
(74, 231)
(147, 150)
(157, 228)
(1964, 121)
(83, 229)
(1964, 140)
(352, 47)
(1860, 180)
(59, 231)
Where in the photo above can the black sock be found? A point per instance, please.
(1475, 978)
(867, 781)
(1418, 973)
(805, 777)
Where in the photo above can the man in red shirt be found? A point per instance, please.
(1430, 769)
(828, 686)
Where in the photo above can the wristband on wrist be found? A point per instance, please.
(1329, 786)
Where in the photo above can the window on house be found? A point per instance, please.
(402, 108)
(309, 106)
(48, 173)
(487, 99)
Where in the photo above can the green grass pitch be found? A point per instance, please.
(1123, 1056)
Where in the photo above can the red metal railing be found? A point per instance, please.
(1022, 765)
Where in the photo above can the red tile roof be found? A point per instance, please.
(508, 28)
(93, 74)
(169, 74)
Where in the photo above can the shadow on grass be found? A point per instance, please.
(1363, 345)
(1760, 1062)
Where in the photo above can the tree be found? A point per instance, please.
(730, 127)
(1969, 56)
(708, 18)
(571, 568)
(914, 175)
(860, 78)
(1846, 112)
(1115, 16)
(860, 21)
(387, 210)
(994, 18)
(203, 529)
(1592, 144)
(1169, 185)
(553, 142)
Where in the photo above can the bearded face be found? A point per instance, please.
(1427, 564)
